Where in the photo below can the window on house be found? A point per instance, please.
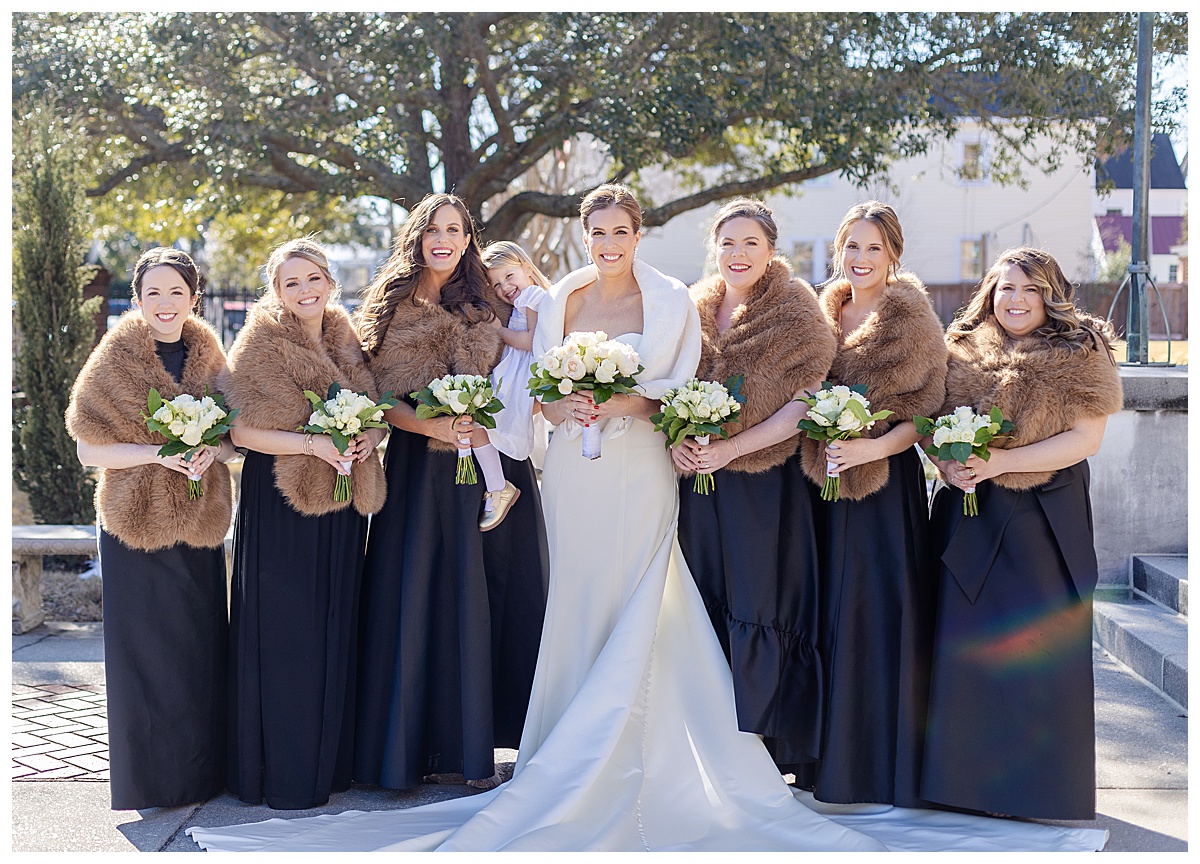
(1173, 273)
(972, 161)
(802, 259)
(970, 256)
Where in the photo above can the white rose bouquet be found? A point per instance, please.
(457, 395)
(962, 434)
(343, 415)
(836, 413)
(586, 361)
(188, 424)
(700, 409)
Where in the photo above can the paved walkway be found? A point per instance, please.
(59, 747)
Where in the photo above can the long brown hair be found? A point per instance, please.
(397, 281)
(1066, 325)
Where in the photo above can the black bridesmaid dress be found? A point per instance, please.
(451, 621)
(751, 547)
(878, 605)
(1011, 716)
(165, 643)
(165, 648)
(293, 621)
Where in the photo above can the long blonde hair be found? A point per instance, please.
(505, 253)
(1066, 325)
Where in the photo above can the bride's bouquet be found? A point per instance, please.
(188, 424)
(700, 409)
(836, 413)
(343, 415)
(586, 361)
(962, 434)
(457, 395)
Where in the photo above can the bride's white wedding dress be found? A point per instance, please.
(631, 740)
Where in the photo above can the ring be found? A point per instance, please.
(972, 470)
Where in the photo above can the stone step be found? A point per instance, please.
(1148, 638)
(1162, 578)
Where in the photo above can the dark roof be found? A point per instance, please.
(1164, 168)
(1165, 232)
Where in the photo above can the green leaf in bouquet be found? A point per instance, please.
(657, 420)
(315, 400)
(387, 400)
(994, 415)
(982, 452)
(925, 425)
(860, 412)
(154, 401)
(709, 429)
(487, 421)
(983, 435)
(860, 389)
(173, 448)
(945, 454)
(340, 441)
(734, 385)
(334, 389)
(494, 407)
(960, 451)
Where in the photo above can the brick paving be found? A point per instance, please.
(59, 732)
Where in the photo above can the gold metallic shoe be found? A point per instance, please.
(502, 502)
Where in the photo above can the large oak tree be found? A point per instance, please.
(339, 105)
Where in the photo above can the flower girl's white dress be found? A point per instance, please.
(631, 740)
(517, 429)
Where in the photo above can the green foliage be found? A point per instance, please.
(197, 108)
(1116, 265)
(54, 323)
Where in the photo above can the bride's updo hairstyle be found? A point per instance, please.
(1066, 325)
(611, 195)
(308, 249)
(883, 217)
(745, 208)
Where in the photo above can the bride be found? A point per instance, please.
(631, 740)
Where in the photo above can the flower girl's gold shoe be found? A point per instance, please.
(502, 502)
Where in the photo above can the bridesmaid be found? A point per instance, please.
(162, 561)
(751, 544)
(1011, 726)
(450, 618)
(297, 554)
(878, 598)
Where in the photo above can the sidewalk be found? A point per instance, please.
(60, 765)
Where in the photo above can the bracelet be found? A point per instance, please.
(736, 448)
(308, 451)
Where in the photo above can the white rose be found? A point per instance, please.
(703, 411)
(176, 426)
(353, 425)
(163, 414)
(847, 422)
(606, 372)
(551, 363)
(574, 367)
(459, 401)
(820, 419)
(192, 435)
(565, 386)
(940, 435)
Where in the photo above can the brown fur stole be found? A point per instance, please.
(147, 507)
(898, 353)
(1041, 387)
(779, 340)
(271, 364)
(424, 342)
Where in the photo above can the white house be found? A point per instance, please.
(956, 219)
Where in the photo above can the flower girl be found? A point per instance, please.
(518, 282)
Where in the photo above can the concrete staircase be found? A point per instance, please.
(1145, 627)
